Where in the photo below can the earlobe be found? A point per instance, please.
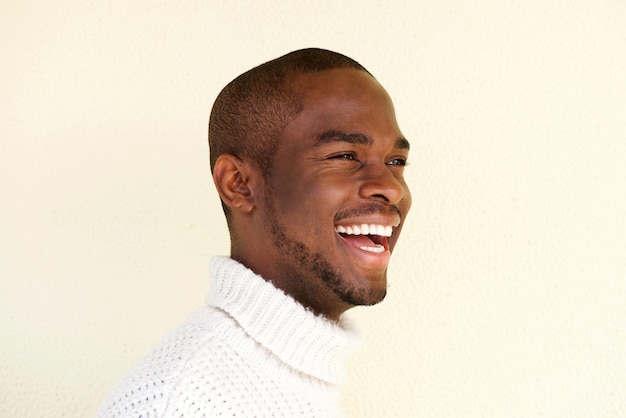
(233, 179)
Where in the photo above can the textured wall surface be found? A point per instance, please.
(508, 288)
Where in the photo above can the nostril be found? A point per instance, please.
(384, 187)
(381, 197)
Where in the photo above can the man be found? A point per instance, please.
(308, 160)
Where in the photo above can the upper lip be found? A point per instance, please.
(373, 213)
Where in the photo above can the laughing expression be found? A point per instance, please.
(335, 200)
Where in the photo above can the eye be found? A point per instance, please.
(343, 156)
(401, 162)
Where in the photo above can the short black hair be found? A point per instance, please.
(251, 112)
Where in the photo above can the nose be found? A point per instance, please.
(382, 184)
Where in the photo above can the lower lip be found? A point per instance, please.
(365, 257)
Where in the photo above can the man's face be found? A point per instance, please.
(336, 197)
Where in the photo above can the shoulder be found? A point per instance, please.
(162, 377)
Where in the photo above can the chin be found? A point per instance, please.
(363, 295)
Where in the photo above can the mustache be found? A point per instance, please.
(368, 209)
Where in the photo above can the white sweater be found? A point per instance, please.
(252, 352)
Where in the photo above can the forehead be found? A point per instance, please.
(346, 84)
(346, 100)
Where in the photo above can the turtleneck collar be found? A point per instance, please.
(309, 343)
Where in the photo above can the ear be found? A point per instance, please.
(235, 181)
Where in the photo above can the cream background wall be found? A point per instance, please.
(508, 289)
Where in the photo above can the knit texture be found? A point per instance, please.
(253, 351)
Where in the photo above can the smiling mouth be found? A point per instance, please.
(372, 238)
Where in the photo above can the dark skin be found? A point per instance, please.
(339, 166)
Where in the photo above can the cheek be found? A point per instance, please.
(312, 203)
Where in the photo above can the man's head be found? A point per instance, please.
(308, 159)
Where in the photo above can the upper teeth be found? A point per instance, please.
(365, 229)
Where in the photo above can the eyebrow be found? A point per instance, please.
(330, 137)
